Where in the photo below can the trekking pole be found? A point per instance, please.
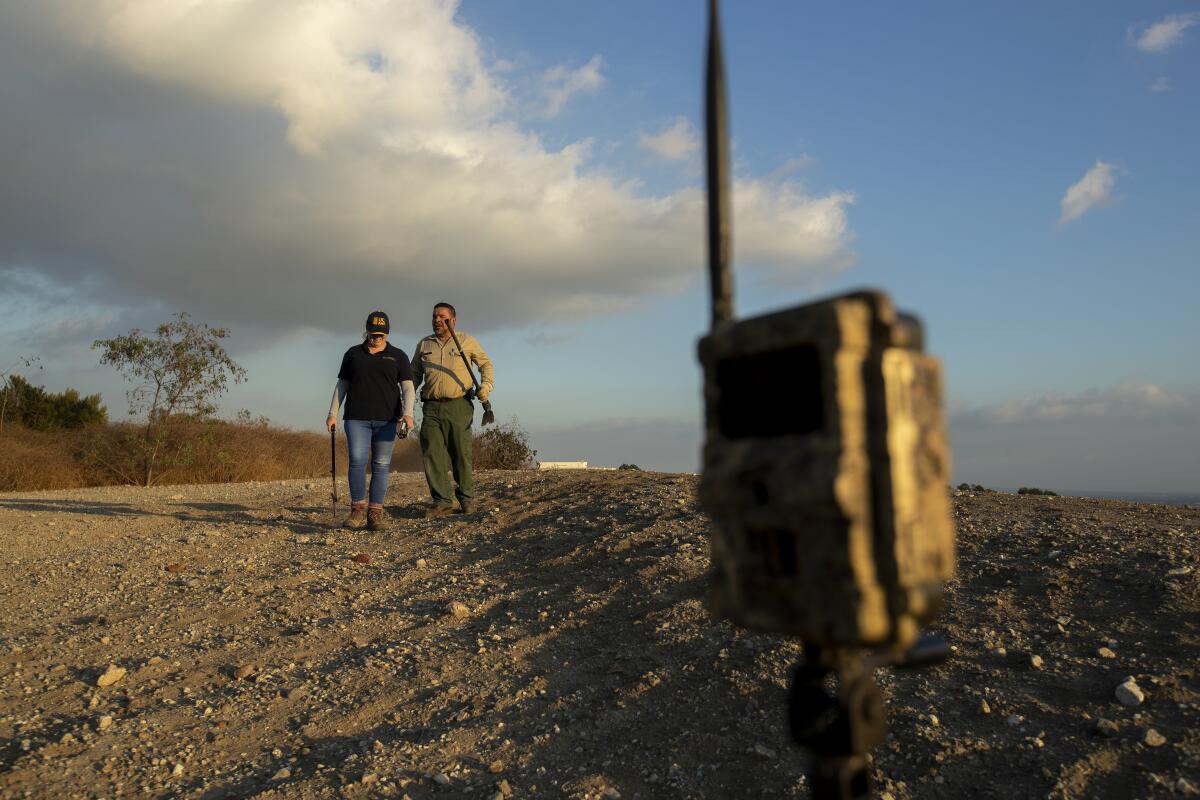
(488, 416)
(333, 465)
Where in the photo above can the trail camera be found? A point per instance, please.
(825, 473)
(825, 459)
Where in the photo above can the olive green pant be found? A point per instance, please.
(446, 444)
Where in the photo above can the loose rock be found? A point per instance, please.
(111, 675)
(1129, 693)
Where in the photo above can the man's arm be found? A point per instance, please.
(486, 371)
(416, 365)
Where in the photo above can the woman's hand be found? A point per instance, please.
(330, 423)
(408, 420)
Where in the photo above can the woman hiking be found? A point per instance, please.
(376, 382)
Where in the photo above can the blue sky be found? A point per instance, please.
(1023, 176)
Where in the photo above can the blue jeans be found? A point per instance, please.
(374, 439)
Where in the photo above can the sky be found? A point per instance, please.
(1023, 176)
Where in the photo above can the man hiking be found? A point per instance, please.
(445, 381)
(375, 380)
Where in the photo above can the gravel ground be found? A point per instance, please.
(226, 641)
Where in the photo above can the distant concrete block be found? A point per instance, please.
(562, 465)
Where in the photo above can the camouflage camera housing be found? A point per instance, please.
(825, 473)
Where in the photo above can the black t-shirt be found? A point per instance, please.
(374, 392)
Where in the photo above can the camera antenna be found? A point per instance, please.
(717, 149)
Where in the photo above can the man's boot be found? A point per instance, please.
(438, 510)
(358, 517)
(465, 505)
(376, 519)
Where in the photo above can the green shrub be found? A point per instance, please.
(630, 466)
(973, 487)
(37, 409)
(503, 447)
(1043, 492)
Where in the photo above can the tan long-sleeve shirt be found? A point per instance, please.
(439, 371)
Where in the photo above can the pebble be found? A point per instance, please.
(177, 770)
(1152, 738)
(421, 563)
(459, 610)
(1014, 719)
(611, 793)
(1106, 727)
(496, 767)
(763, 751)
(104, 723)
(1104, 652)
(1035, 661)
(984, 707)
(244, 671)
(282, 775)
(1129, 693)
(504, 789)
(111, 675)
(442, 779)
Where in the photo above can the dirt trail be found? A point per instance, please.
(555, 644)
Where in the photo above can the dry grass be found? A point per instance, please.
(214, 451)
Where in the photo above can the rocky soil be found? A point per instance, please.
(224, 641)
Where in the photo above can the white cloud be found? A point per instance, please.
(1125, 401)
(1164, 34)
(292, 165)
(1160, 84)
(675, 143)
(1093, 189)
(560, 84)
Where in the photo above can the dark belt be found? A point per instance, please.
(440, 399)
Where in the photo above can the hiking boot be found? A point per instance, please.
(465, 505)
(376, 519)
(438, 511)
(357, 519)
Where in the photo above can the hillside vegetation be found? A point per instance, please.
(194, 451)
